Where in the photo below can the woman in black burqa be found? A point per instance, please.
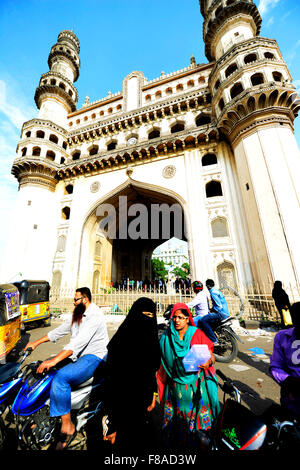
(281, 299)
(130, 385)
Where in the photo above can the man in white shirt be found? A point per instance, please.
(200, 302)
(86, 349)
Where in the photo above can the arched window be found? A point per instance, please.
(203, 119)
(62, 160)
(154, 134)
(94, 150)
(24, 151)
(209, 159)
(53, 82)
(250, 58)
(53, 138)
(158, 94)
(169, 91)
(28, 134)
(62, 86)
(148, 98)
(226, 275)
(40, 134)
(50, 155)
(236, 90)
(201, 80)
(232, 68)
(217, 85)
(177, 128)
(213, 189)
(65, 213)
(70, 92)
(61, 243)
(69, 189)
(219, 227)
(269, 55)
(36, 151)
(56, 280)
(112, 145)
(221, 104)
(257, 79)
(110, 110)
(190, 83)
(76, 155)
(179, 87)
(277, 76)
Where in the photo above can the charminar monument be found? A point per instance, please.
(214, 139)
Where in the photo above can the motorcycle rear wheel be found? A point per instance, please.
(227, 349)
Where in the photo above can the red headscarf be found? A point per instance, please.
(182, 306)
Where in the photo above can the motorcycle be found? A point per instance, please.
(238, 428)
(227, 348)
(10, 383)
(36, 430)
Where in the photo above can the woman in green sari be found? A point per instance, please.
(189, 399)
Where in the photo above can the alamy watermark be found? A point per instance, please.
(140, 221)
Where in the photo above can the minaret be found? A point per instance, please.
(41, 151)
(56, 95)
(255, 104)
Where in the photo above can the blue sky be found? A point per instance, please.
(116, 37)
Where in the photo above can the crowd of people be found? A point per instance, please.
(141, 370)
(161, 285)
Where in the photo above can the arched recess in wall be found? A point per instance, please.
(61, 243)
(226, 275)
(219, 227)
(213, 189)
(96, 282)
(56, 280)
(98, 248)
(209, 159)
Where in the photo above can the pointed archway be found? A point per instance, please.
(129, 222)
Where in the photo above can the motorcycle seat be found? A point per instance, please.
(83, 384)
(223, 322)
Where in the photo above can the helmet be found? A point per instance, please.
(197, 286)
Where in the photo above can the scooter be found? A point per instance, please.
(227, 348)
(238, 428)
(36, 430)
(10, 383)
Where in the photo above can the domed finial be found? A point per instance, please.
(193, 60)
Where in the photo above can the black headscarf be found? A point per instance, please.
(280, 296)
(134, 353)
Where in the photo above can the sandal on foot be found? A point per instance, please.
(65, 438)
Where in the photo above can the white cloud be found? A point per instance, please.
(265, 6)
(14, 111)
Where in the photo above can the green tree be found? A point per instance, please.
(159, 270)
(182, 272)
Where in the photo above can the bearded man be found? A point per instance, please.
(85, 351)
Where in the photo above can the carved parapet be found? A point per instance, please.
(45, 90)
(260, 105)
(35, 173)
(161, 147)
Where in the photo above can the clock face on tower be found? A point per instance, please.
(132, 141)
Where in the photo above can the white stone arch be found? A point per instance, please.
(90, 223)
(219, 227)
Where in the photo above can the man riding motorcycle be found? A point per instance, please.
(86, 349)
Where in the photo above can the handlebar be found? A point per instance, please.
(230, 388)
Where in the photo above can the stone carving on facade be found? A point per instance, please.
(94, 188)
(169, 171)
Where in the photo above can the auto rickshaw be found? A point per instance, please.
(34, 302)
(10, 319)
